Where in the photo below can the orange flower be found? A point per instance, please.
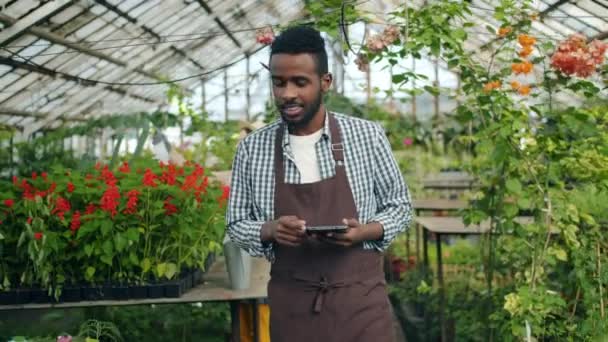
(526, 40)
(504, 31)
(515, 85)
(526, 51)
(488, 87)
(524, 90)
(522, 68)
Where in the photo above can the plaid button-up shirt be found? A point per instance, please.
(377, 184)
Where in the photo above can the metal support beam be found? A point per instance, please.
(552, 8)
(53, 38)
(148, 30)
(219, 23)
(600, 36)
(52, 73)
(40, 14)
(27, 114)
(541, 15)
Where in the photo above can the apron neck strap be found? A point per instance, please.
(337, 148)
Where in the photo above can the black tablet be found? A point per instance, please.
(326, 229)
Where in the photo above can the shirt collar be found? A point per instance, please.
(324, 135)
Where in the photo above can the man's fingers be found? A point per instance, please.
(351, 222)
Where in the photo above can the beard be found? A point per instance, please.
(308, 114)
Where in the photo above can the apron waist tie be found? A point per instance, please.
(322, 287)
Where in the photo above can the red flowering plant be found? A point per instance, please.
(132, 223)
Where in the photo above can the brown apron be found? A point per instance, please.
(320, 292)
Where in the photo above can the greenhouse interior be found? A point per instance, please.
(125, 128)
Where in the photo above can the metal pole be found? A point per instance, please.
(441, 290)
(203, 95)
(414, 88)
(247, 90)
(225, 94)
(436, 85)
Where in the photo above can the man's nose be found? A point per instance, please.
(289, 92)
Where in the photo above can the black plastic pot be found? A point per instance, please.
(119, 292)
(39, 295)
(23, 296)
(138, 291)
(156, 290)
(8, 297)
(175, 289)
(71, 294)
(93, 293)
(197, 277)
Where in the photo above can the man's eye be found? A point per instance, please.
(301, 83)
(278, 83)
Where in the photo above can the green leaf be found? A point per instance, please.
(145, 265)
(398, 78)
(452, 63)
(459, 34)
(88, 250)
(523, 202)
(90, 272)
(133, 234)
(108, 247)
(161, 269)
(560, 254)
(120, 241)
(513, 185)
(106, 227)
(90, 339)
(1, 236)
(107, 259)
(133, 258)
(432, 90)
(491, 29)
(171, 270)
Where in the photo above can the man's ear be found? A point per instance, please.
(326, 81)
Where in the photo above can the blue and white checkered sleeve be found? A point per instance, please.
(394, 204)
(240, 224)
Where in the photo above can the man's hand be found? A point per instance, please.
(355, 233)
(286, 231)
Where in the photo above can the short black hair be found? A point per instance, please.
(302, 39)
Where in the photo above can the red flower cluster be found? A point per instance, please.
(131, 202)
(61, 207)
(169, 174)
(110, 200)
(575, 56)
(170, 209)
(38, 235)
(107, 176)
(75, 224)
(71, 187)
(124, 168)
(149, 178)
(378, 42)
(225, 194)
(90, 209)
(9, 202)
(264, 35)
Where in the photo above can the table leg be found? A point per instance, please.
(425, 251)
(418, 243)
(235, 321)
(256, 321)
(441, 290)
(425, 273)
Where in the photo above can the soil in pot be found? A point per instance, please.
(138, 291)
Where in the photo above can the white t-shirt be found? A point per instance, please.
(303, 147)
